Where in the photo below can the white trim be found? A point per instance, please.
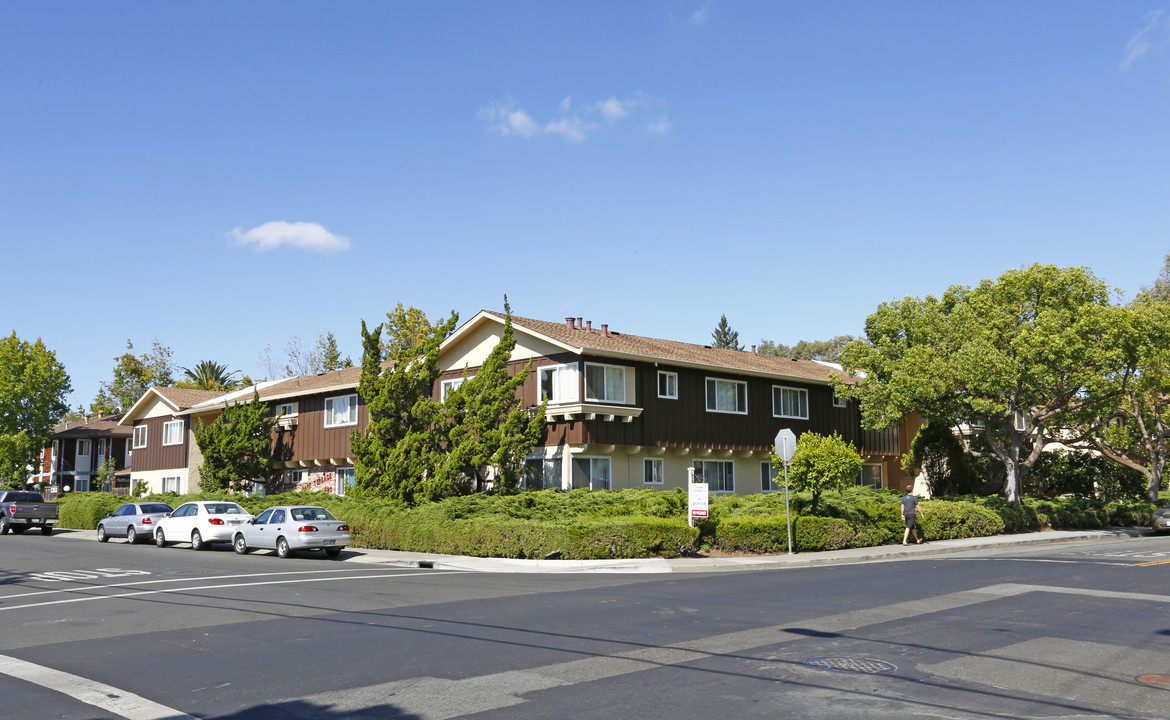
(605, 382)
(669, 375)
(707, 397)
(778, 411)
(592, 459)
(291, 413)
(78, 446)
(661, 472)
(446, 387)
(839, 402)
(167, 431)
(570, 386)
(330, 400)
(703, 464)
(145, 430)
(774, 479)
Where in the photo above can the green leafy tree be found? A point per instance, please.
(33, 389)
(210, 375)
(397, 453)
(821, 463)
(936, 452)
(105, 474)
(826, 350)
(1159, 292)
(133, 376)
(724, 337)
(330, 356)
(236, 446)
(408, 327)
(486, 429)
(1018, 362)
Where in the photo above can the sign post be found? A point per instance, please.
(785, 448)
(696, 498)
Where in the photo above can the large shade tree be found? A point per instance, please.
(33, 389)
(133, 375)
(1020, 361)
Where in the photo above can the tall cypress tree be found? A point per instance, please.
(236, 446)
(724, 337)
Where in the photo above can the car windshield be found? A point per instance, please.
(311, 513)
(224, 509)
(155, 508)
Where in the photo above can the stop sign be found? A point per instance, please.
(785, 445)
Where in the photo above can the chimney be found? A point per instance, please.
(589, 325)
(604, 330)
(578, 323)
(753, 349)
(569, 323)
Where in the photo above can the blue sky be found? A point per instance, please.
(224, 175)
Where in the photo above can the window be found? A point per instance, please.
(341, 410)
(344, 480)
(768, 475)
(592, 473)
(277, 517)
(789, 402)
(83, 448)
(605, 383)
(80, 484)
(139, 436)
(173, 432)
(262, 518)
(652, 471)
(718, 474)
(726, 396)
(446, 387)
(541, 473)
(1022, 422)
(171, 484)
(839, 401)
(558, 383)
(287, 409)
(668, 385)
(871, 476)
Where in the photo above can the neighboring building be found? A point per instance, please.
(77, 453)
(624, 411)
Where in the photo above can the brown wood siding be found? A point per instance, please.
(156, 456)
(309, 439)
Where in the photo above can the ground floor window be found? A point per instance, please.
(81, 484)
(592, 473)
(170, 484)
(871, 476)
(768, 481)
(652, 472)
(541, 473)
(718, 474)
(344, 480)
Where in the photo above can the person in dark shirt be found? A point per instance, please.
(910, 510)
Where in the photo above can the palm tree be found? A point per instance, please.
(210, 375)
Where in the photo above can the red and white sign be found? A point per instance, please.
(697, 497)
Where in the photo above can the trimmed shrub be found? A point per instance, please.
(83, 510)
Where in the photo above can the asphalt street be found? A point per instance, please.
(1074, 629)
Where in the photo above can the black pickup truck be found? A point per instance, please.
(21, 510)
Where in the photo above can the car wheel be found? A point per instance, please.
(102, 533)
(4, 526)
(47, 530)
(282, 549)
(131, 535)
(159, 538)
(240, 545)
(332, 553)
(196, 540)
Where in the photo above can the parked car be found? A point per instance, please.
(200, 523)
(23, 509)
(132, 521)
(1160, 520)
(286, 528)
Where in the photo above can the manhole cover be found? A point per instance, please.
(850, 665)
(1158, 681)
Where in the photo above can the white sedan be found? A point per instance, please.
(200, 523)
(285, 528)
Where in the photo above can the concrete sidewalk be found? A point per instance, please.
(881, 553)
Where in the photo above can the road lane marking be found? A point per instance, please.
(165, 591)
(90, 692)
(1152, 563)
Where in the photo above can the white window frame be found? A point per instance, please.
(716, 381)
(592, 460)
(292, 406)
(702, 470)
(83, 444)
(548, 480)
(174, 427)
(778, 411)
(446, 387)
(175, 480)
(136, 445)
(606, 371)
(340, 485)
(671, 379)
(654, 468)
(1021, 421)
(331, 412)
(566, 386)
(839, 402)
(769, 478)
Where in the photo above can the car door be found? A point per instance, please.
(254, 533)
(116, 523)
(178, 527)
(275, 527)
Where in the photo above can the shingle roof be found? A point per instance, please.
(184, 398)
(613, 343)
(288, 387)
(94, 427)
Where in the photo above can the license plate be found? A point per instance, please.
(36, 520)
(330, 542)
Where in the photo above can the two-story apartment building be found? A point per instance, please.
(77, 452)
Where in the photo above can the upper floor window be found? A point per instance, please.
(839, 401)
(83, 448)
(558, 383)
(287, 409)
(139, 436)
(447, 387)
(727, 396)
(1022, 421)
(341, 410)
(789, 402)
(173, 432)
(668, 384)
(605, 383)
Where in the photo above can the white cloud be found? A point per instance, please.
(1141, 43)
(575, 125)
(304, 235)
(701, 16)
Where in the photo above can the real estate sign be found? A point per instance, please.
(698, 500)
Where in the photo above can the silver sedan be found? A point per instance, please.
(286, 528)
(132, 521)
(200, 523)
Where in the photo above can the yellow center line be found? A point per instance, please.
(1153, 562)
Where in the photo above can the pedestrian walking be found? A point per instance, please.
(910, 512)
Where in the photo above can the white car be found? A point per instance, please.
(285, 528)
(200, 523)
